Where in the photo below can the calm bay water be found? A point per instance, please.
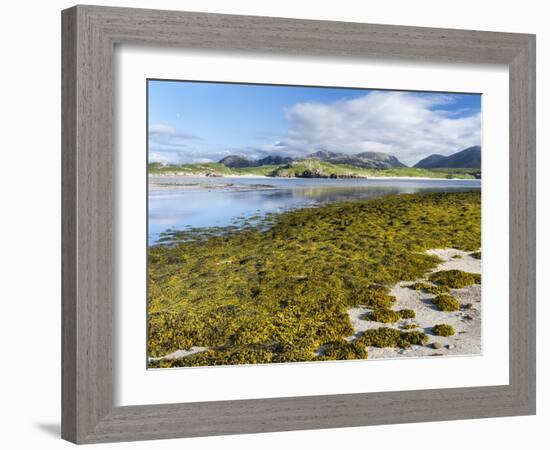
(180, 203)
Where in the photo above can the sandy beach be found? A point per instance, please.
(171, 182)
(466, 321)
(162, 179)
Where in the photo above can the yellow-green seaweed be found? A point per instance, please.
(430, 288)
(340, 350)
(390, 316)
(443, 329)
(454, 278)
(390, 337)
(446, 302)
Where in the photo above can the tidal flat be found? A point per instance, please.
(186, 203)
(281, 289)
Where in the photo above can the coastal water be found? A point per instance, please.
(181, 203)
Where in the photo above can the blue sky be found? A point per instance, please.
(197, 122)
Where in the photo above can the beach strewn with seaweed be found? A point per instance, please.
(343, 280)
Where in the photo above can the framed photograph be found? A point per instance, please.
(278, 224)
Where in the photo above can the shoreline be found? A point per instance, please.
(264, 177)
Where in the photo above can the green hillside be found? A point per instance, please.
(308, 168)
(314, 168)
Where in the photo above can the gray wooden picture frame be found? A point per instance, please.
(90, 34)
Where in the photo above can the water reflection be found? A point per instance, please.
(183, 203)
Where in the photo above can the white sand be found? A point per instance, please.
(466, 322)
(370, 177)
(204, 175)
(163, 182)
(181, 353)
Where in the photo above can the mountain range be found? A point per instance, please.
(366, 160)
(464, 159)
(237, 161)
(467, 158)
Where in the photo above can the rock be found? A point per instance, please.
(467, 306)
(449, 346)
(467, 317)
(436, 345)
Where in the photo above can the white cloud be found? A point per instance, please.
(166, 138)
(169, 145)
(407, 125)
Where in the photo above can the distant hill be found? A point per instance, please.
(273, 161)
(431, 161)
(236, 161)
(464, 159)
(365, 160)
(383, 158)
(315, 168)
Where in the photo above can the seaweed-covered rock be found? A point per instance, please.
(430, 288)
(455, 279)
(446, 302)
(389, 316)
(390, 337)
(339, 350)
(443, 329)
(407, 313)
